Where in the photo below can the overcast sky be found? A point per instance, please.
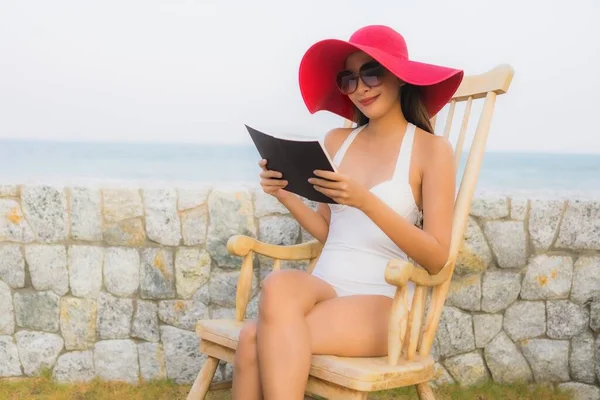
(194, 71)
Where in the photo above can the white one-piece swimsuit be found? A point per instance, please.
(356, 252)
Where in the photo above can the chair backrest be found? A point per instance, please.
(413, 334)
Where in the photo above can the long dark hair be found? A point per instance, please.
(412, 105)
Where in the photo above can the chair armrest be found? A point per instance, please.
(245, 246)
(241, 245)
(399, 272)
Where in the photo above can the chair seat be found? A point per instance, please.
(359, 373)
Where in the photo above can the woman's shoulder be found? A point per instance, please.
(433, 149)
(335, 137)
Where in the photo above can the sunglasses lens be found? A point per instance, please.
(372, 74)
(346, 82)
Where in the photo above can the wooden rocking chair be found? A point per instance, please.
(411, 332)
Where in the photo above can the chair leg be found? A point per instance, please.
(203, 380)
(424, 391)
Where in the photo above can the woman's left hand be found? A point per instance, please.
(340, 188)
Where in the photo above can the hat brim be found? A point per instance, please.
(323, 60)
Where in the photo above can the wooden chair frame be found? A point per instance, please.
(411, 332)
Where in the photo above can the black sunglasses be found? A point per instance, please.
(371, 74)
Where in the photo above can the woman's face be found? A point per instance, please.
(381, 91)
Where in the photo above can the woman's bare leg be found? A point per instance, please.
(283, 340)
(246, 379)
(353, 326)
(350, 326)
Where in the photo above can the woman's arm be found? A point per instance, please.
(314, 222)
(428, 247)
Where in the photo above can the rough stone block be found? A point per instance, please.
(500, 289)
(157, 277)
(182, 314)
(455, 332)
(509, 253)
(188, 198)
(12, 265)
(121, 271)
(182, 354)
(162, 220)
(565, 319)
(194, 224)
(544, 218)
(38, 350)
(486, 327)
(519, 208)
(85, 270)
(121, 204)
(74, 367)
(37, 310)
(152, 361)
(489, 207)
(129, 232)
(547, 277)
(86, 214)
(192, 270)
(230, 213)
(549, 359)
(45, 208)
(468, 369)
(580, 229)
(581, 359)
(586, 279)
(13, 225)
(48, 267)
(525, 319)
(505, 361)
(474, 254)
(465, 292)
(78, 322)
(116, 360)
(114, 317)
(7, 311)
(145, 321)
(9, 358)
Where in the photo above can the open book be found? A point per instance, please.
(296, 159)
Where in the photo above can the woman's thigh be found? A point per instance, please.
(286, 290)
(350, 326)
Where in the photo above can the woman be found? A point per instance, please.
(392, 170)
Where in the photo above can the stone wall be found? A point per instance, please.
(110, 281)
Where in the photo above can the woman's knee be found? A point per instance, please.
(276, 292)
(246, 350)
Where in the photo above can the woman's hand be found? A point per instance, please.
(340, 188)
(270, 183)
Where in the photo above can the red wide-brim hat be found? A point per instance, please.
(323, 60)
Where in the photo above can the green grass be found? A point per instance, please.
(488, 391)
(44, 388)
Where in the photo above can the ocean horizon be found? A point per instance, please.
(70, 163)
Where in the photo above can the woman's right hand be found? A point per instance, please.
(270, 183)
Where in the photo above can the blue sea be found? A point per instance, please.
(75, 163)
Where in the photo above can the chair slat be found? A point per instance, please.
(398, 324)
(433, 316)
(415, 321)
(449, 119)
(463, 129)
(244, 286)
(277, 264)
